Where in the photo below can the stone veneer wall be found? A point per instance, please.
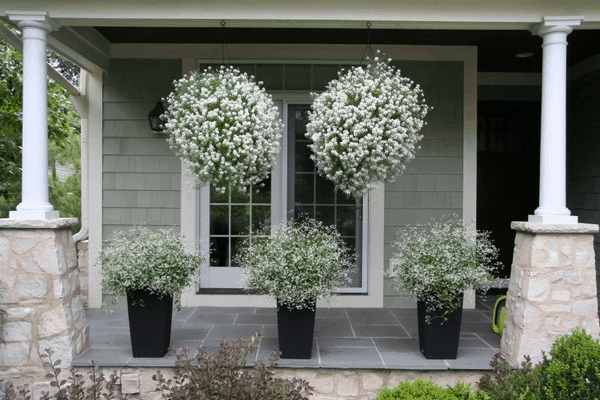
(552, 288)
(39, 291)
(328, 384)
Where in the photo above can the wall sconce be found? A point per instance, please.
(154, 117)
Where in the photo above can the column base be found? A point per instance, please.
(33, 214)
(41, 293)
(552, 288)
(553, 219)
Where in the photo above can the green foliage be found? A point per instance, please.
(464, 391)
(159, 261)
(508, 383)
(425, 390)
(573, 370)
(62, 123)
(65, 195)
(222, 376)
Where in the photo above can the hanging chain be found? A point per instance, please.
(368, 53)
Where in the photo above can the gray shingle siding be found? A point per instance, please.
(433, 183)
(141, 175)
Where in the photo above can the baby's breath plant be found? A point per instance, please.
(439, 261)
(365, 126)
(224, 126)
(158, 261)
(296, 263)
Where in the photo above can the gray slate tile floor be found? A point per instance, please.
(349, 338)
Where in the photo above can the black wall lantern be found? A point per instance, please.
(154, 117)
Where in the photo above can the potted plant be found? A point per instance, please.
(295, 263)
(365, 126)
(150, 267)
(437, 263)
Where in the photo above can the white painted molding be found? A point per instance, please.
(385, 14)
(84, 46)
(94, 93)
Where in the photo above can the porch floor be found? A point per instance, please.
(348, 338)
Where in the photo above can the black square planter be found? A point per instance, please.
(438, 339)
(295, 329)
(149, 323)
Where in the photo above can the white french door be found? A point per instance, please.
(293, 188)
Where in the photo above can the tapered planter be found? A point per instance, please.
(295, 329)
(438, 338)
(149, 323)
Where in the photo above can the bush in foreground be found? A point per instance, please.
(421, 389)
(573, 369)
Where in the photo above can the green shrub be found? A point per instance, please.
(425, 390)
(464, 391)
(573, 370)
(508, 383)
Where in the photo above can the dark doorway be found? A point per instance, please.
(507, 169)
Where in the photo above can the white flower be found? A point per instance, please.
(154, 260)
(365, 127)
(225, 127)
(439, 261)
(296, 263)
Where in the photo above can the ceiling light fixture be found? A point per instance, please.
(524, 54)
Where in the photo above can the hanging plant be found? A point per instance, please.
(224, 126)
(365, 126)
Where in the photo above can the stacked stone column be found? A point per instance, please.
(552, 288)
(40, 292)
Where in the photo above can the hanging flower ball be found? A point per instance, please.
(225, 127)
(365, 126)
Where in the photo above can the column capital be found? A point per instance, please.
(33, 20)
(556, 24)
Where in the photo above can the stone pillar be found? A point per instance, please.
(34, 202)
(552, 288)
(553, 145)
(39, 292)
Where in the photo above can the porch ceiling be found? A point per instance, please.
(496, 48)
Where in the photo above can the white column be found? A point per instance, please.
(553, 177)
(34, 201)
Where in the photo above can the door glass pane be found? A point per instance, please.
(240, 220)
(316, 196)
(304, 189)
(219, 251)
(261, 217)
(325, 190)
(219, 221)
(233, 216)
